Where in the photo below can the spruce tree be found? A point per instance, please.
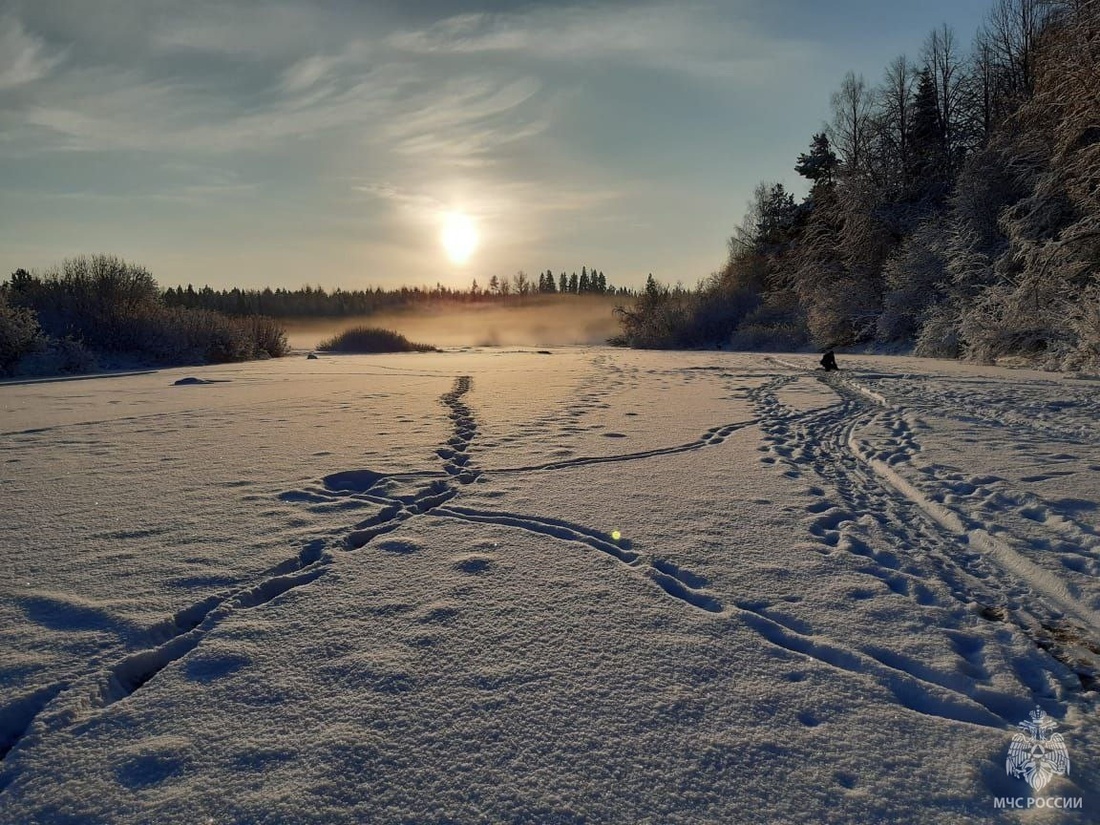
(818, 166)
(928, 138)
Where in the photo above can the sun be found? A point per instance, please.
(459, 237)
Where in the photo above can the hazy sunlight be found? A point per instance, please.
(459, 237)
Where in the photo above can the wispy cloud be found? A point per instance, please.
(23, 57)
(107, 109)
(255, 31)
(524, 204)
(398, 104)
(688, 37)
(184, 183)
(404, 90)
(419, 203)
(312, 70)
(196, 195)
(557, 32)
(463, 119)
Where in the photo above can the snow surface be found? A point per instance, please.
(587, 586)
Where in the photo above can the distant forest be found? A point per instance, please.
(310, 301)
(954, 206)
(100, 311)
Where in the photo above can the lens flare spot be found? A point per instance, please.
(616, 535)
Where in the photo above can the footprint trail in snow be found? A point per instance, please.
(402, 496)
(819, 441)
(918, 538)
(934, 544)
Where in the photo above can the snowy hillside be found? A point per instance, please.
(591, 585)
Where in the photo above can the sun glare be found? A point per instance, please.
(459, 237)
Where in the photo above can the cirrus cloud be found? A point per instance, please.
(24, 58)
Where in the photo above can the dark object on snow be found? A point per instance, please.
(191, 380)
(312, 356)
(828, 361)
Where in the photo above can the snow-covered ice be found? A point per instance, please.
(594, 585)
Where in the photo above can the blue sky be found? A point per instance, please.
(283, 143)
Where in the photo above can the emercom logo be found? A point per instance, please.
(1036, 755)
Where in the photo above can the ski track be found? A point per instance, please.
(977, 566)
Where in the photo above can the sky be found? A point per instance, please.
(245, 143)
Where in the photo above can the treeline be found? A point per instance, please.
(101, 311)
(311, 301)
(955, 205)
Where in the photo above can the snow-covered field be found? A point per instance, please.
(594, 586)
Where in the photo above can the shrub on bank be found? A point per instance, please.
(20, 334)
(365, 340)
(101, 307)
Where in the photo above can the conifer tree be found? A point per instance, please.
(928, 144)
(818, 166)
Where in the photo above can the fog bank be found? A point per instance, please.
(544, 321)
